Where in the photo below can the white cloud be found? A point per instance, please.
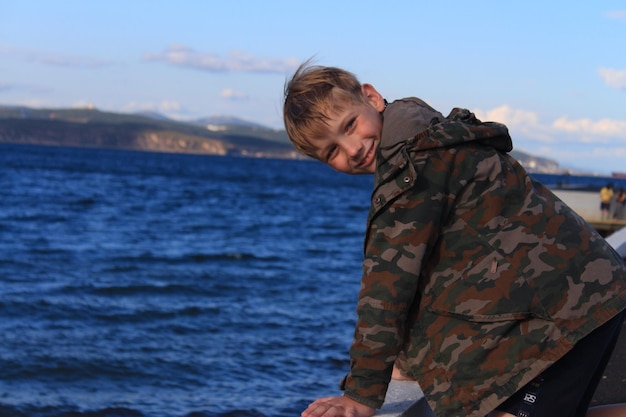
(508, 116)
(616, 14)
(231, 94)
(68, 61)
(168, 106)
(613, 78)
(56, 59)
(83, 104)
(521, 121)
(581, 143)
(34, 103)
(578, 130)
(238, 61)
(587, 127)
(165, 106)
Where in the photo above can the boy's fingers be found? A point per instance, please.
(326, 407)
(321, 409)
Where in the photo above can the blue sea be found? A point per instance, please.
(159, 285)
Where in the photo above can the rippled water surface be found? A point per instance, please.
(141, 284)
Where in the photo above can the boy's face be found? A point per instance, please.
(354, 135)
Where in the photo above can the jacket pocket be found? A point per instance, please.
(472, 280)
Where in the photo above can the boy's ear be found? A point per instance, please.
(373, 97)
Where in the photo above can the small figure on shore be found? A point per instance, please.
(606, 197)
(477, 277)
(620, 200)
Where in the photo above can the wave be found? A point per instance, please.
(193, 258)
(65, 411)
(33, 411)
(159, 286)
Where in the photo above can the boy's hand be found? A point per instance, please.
(339, 406)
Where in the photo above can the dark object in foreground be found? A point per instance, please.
(612, 387)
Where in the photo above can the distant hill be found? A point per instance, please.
(153, 132)
(538, 164)
(140, 132)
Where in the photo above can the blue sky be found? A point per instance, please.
(553, 71)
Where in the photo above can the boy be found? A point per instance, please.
(494, 289)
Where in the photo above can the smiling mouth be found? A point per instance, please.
(368, 158)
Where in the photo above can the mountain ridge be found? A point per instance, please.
(95, 128)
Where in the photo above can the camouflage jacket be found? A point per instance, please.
(479, 273)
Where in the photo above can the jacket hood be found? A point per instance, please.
(414, 123)
(403, 119)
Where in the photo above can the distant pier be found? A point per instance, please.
(587, 204)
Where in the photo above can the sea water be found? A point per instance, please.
(145, 284)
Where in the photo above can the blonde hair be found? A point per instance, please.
(313, 94)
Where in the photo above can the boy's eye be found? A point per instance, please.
(350, 124)
(331, 153)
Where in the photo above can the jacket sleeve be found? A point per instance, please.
(400, 235)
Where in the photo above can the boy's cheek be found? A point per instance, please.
(341, 168)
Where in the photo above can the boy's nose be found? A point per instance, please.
(352, 147)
